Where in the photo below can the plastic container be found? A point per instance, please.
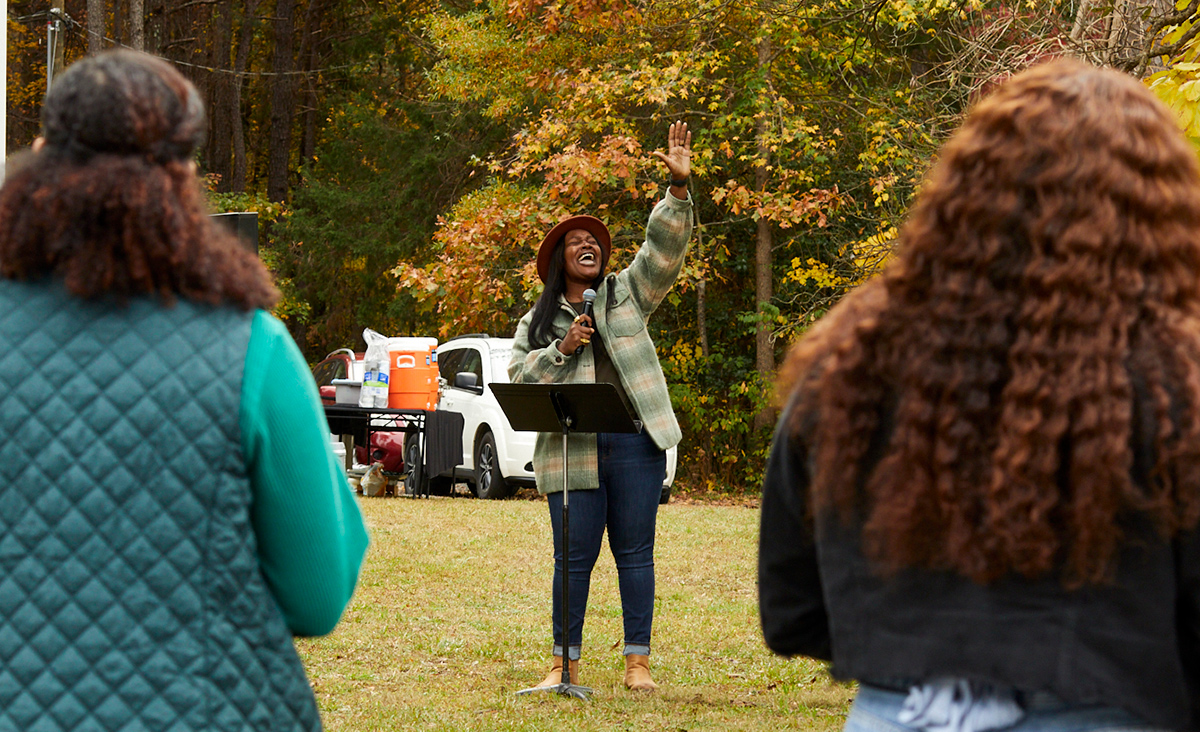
(346, 391)
(375, 390)
(339, 449)
(412, 382)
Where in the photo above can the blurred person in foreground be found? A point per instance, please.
(618, 477)
(982, 498)
(170, 509)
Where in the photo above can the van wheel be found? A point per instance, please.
(412, 464)
(489, 483)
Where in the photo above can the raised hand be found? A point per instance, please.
(678, 157)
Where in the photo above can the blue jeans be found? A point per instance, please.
(876, 710)
(626, 503)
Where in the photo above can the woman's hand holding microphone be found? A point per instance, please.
(580, 334)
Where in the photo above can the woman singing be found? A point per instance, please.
(618, 477)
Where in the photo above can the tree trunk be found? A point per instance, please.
(1081, 15)
(1115, 32)
(764, 346)
(1119, 31)
(120, 22)
(238, 182)
(702, 298)
(283, 101)
(221, 110)
(310, 55)
(706, 454)
(137, 25)
(153, 26)
(95, 26)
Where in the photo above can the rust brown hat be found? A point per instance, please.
(590, 224)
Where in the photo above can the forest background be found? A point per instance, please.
(405, 157)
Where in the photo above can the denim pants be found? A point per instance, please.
(626, 503)
(877, 710)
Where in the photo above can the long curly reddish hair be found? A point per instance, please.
(111, 205)
(974, 406)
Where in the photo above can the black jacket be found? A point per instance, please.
(1134, 643)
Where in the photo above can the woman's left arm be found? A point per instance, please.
(791, 602)
(311, 536)
(1187, 558)
(658, 263)
(677, 159)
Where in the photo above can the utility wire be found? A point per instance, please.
(81, 31)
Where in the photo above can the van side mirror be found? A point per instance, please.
(468, 381)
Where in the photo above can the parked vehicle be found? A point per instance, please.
(385, 447)
(496, 458)
(341, 364)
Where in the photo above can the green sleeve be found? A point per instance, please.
(311, 537)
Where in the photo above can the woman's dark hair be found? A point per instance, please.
(111, 204)
(541, 323)
(975, 407)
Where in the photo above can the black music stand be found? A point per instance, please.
(567, 408)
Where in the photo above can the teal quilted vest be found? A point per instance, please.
(130, 591)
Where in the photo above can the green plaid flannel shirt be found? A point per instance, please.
(624, 302)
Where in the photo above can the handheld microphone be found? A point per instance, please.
(589, 297)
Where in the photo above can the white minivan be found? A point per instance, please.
(496, 459)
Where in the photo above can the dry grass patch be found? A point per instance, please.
(452, 612)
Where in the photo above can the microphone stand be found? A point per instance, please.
(586, 408)
(564, 687)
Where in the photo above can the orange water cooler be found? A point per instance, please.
(413, 373)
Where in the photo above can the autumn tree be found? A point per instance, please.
(588, 95)
(406, 157)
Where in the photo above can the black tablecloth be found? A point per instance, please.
(443, 430)
(443, 441)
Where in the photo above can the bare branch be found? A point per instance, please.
(190, 3)
(1165, 21)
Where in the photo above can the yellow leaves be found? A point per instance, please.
(871, 254)
(1178, 87)
(577, 174)
(685, 356)
(813, 272)
(782, 205)
(880, 187)
(1187, 119)
(736, 197)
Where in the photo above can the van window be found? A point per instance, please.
(447, 361)
(471, 363)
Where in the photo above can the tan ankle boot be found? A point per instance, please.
(637, 673)
(554, 678)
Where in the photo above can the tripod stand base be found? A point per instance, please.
(572, 690)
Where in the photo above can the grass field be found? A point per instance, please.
(451, 617)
